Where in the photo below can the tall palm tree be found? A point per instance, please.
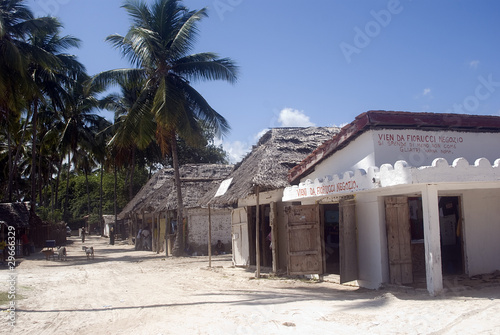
(17, 22)
(49, 82)
(124, 145)
(80, 122)
(158, 44)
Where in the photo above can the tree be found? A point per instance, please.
(16, 24)
(158, 45)
(49, 81)
(80, 122)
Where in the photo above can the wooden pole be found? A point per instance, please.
(274, 235)
(209, 238)
(257, 233)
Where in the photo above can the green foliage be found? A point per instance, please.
(79, 201)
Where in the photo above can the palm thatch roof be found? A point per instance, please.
(160, 193)
(267, 165)
(15, 214)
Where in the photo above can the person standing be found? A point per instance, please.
(138, 240)
(146, 238)
(112, 236)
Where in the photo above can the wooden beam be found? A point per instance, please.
(209, 238)
(257, 233)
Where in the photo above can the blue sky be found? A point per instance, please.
(322, 62)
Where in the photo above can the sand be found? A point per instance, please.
(123, 291)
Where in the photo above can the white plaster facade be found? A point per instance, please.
(426, 165)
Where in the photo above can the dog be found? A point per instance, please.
(48, 253)
(89, 252)
(61, 253)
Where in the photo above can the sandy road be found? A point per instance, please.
(123, 291)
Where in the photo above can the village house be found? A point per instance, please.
(18, 215)
(400, 198)
(155, 207)
(254, 191)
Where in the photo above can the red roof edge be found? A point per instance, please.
(393, 119)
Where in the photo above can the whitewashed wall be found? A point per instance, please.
(359, 155)
(420, 148)
(372, 240)
(198, 228)
(416, 147)
(481, 212)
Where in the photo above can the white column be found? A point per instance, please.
(430, 208)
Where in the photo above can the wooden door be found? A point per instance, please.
(304, 241)
(239, 233)
(348, 241)
(397, 220)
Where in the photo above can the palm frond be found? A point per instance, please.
(206, 66)
(186, 34)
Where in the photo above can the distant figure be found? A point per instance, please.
(146, 234)
(138, 240)
(83, 234)
(219, 248)
(112, 236)
(26, 244)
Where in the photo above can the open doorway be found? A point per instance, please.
(450, 225)
(264, 235)
(331, 238)
(407, 255)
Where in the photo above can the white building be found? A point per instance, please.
(399, 197)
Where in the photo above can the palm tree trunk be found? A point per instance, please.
(115, 190)
(66, 203)
(179, 238)
(33, 157)
(87, 188)
(8, 196)
(13, 169)
(131, 186)
(100, 201)
(59, 170)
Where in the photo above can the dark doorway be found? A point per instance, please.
(331, 238)
(264, 235)
(450, 225)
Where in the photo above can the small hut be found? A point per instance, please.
(155, 207)
(256, 189)
(18, 215)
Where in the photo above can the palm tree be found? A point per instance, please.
(16, 24)
(158, 44)
(50, 81)
(80, 122)
(123, 144)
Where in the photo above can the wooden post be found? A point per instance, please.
(274, 235)
(209, 238)
(257, 233)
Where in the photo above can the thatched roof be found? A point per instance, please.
(15, 214)
(160, 193)
(267, 165)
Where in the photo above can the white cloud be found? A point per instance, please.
(474, 64)
(427, 91)
(290, 117)
(236, 150)
(261, 133)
